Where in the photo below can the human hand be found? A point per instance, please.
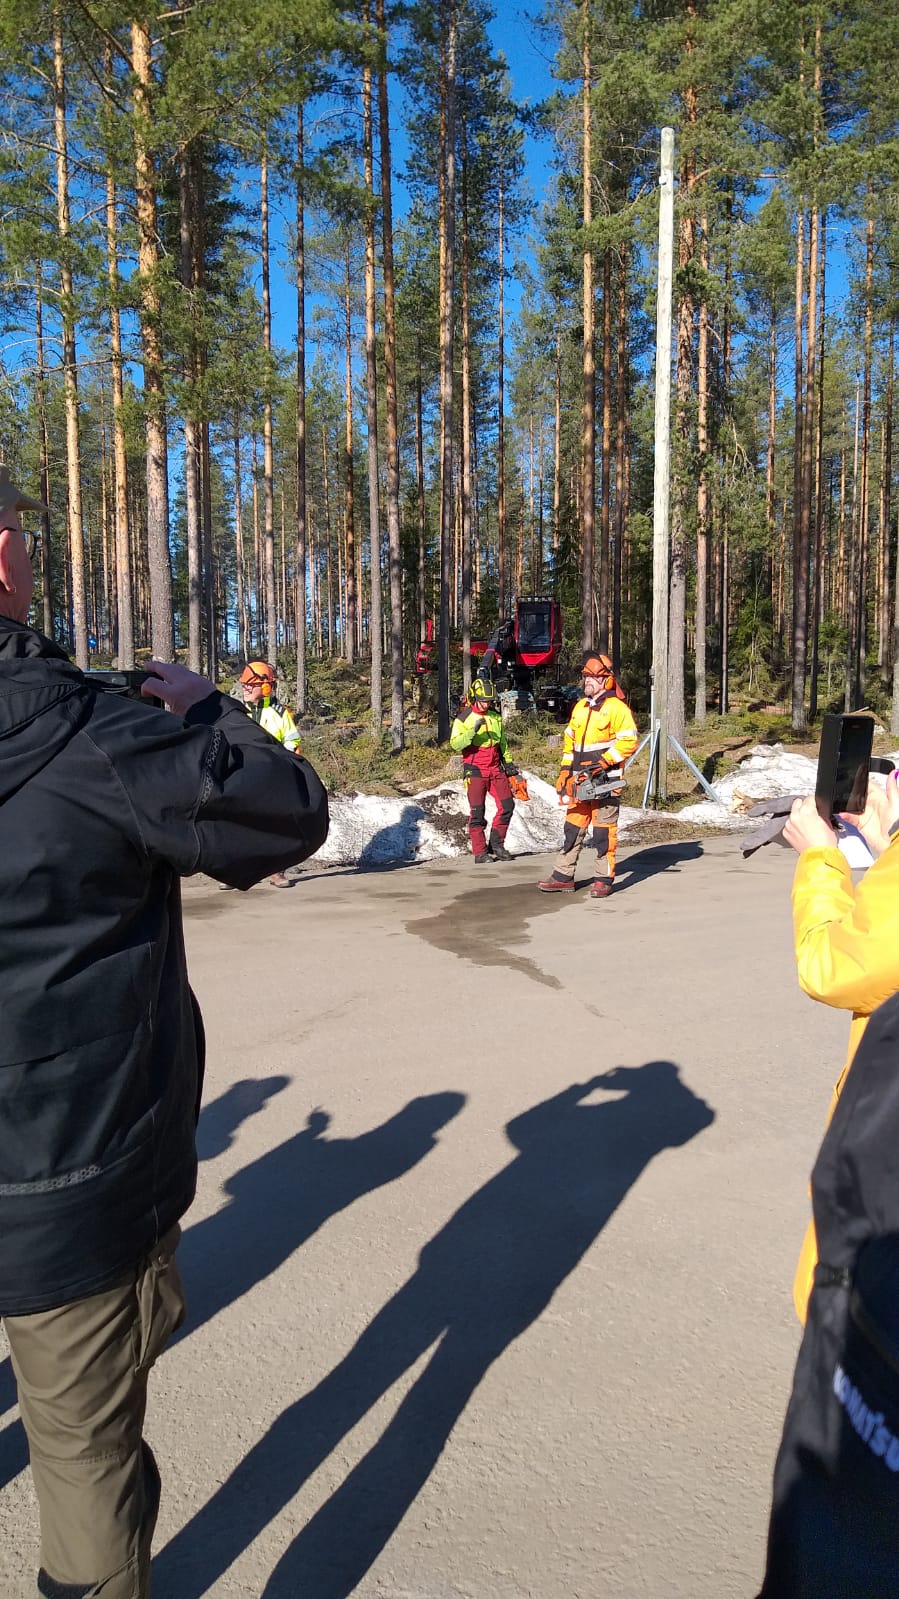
(176, 686)
(880, 813)
(806, 829)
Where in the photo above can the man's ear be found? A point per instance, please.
(7, 576)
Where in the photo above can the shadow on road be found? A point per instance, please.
(480, 1283)
(220, 1119)
(647, 863)
(281, 1199)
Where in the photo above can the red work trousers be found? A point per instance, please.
(478, 785)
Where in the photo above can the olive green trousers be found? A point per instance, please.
(82, 1374)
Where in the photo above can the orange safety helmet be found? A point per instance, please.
(601, 667)
(257, 672)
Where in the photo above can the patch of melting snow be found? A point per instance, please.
(381, 830)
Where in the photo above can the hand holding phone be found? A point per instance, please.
(841, 788)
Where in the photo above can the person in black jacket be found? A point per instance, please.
(104, 805)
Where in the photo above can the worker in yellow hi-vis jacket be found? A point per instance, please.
(258, 682)
(600, 737)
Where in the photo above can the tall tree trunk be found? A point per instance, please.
(447, 279)
(866, 466)
(887, 497)
(620, 455)
(239, 563)
(157, 542)
(69, 357)
(501, 400)
(268, 465)
(818, 525)
(46, 557)
(301, 421)
(420, 495)
(802, 548)
(191, 431)
(348, 589)
(724, 692)
(606, 492)
(466, 430)
(677, 609)
(800, 564)
(702, 488)
(209, 586)
(394, 537)
(326, 473)
(371, 393)
(124, 598)
(588, 410)
(770, 495)
(557, 453)
(850, 683)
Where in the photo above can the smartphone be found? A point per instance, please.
(125, 682)
(843, 765)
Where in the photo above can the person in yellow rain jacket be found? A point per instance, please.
(847, 938)
(258, 682)
(600, 737)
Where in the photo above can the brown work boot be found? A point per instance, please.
(556, 885)
(601, 888)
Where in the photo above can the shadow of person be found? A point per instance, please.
(633, 869)
(485, 1277)
(281, 1199)
(395, 844)
(220, 1119)
(13, 1447)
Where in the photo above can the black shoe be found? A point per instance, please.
(480, 860)
(499, 851)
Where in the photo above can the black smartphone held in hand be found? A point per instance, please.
(124, 682)
(843, 765)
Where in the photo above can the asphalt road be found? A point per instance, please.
(490, 1265)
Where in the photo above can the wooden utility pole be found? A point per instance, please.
(662, 474)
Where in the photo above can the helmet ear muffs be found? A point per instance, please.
(600, 667)
(259, 672)
(482, 688)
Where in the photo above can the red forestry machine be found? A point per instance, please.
(526, 642)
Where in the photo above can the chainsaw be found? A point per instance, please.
(596, 785)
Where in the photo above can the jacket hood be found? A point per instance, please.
(42, 701)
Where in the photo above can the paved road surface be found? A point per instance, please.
(489, 1269)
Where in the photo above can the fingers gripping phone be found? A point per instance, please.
(843, 765)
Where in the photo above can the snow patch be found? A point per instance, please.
(377, 830)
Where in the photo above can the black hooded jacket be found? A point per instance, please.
(104, 805)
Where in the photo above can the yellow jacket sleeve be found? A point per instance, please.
(623, 729)
(462, 732)
(847, 940)
(291, 739)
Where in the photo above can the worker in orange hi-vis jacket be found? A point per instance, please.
(599, 739)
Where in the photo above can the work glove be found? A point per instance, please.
(510, 769)
(562, 781)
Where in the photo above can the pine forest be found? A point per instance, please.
(321, 337)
